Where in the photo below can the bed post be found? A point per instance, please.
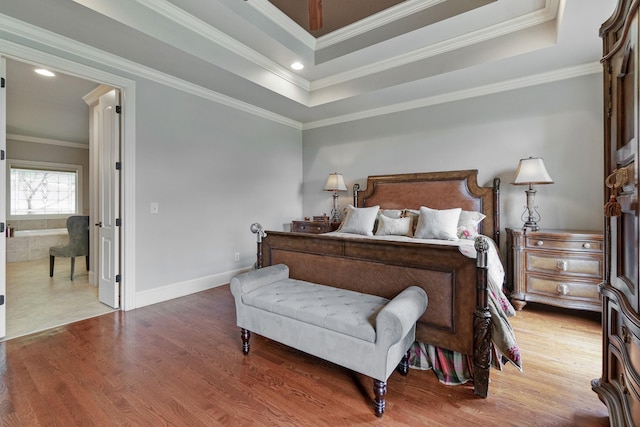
(256, 228)
(496, 211)
(356, 189)
(481, 322)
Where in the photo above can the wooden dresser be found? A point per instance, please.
(619, 385)
(563, 268)
(315, 227)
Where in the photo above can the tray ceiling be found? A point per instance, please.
(365, 61)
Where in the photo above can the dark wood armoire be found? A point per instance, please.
(619, 386)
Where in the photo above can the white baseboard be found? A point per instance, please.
(177, 290)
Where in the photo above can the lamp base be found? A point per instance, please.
(335, 212)
(531, 216)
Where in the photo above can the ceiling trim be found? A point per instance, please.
(377, 20)
(85, 52)
(190, 22)
(523, 82)
(283, 21)
(504, 28)
(81, 53)
(25, 138)
(381, 18)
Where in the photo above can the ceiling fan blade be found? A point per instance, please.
(315, 15)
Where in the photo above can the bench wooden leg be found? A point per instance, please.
(380, 390)
(245, 334)
(403, 366)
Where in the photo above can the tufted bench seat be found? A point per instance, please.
(365, 333)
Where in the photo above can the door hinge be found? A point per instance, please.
(117, 278)
(2, 82)
(1, 154)
(118, 222)
(118, 109)
(118, 166)
(1, 299)
(1, 227)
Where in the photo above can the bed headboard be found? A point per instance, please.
(436, 190)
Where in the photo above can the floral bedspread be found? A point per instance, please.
(455, 368)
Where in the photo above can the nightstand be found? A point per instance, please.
(315, 227)
(563, 268)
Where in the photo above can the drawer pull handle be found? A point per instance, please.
(562, 265)
(587, 246)
(562, 289)
(626, 336)
(623, 383)
(539, 243)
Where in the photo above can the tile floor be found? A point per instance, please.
(36, 302)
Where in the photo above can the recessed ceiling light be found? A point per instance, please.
(44, 72)
(297, 66)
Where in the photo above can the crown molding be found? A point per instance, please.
(504, 28)
(191, 23)
(276, 16)
(84, 52)
(377, 20)
(523, 82)
(81, 54)
(26, 138)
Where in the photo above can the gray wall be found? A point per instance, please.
(213, 171)
(561, 122)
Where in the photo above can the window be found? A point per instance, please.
(39, 189)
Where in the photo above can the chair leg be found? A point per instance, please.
(403, 366)
(73, 265)
(246, 335)
(52, 260)
(380, 390)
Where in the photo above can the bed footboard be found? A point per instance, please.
(458, 318)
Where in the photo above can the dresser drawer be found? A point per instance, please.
(311, 226)
(558, 264)
(586, 245)
(571, 289)
(556, 267)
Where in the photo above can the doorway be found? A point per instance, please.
(35, 301)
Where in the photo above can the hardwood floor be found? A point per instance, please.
(180, 363)
(36, 301)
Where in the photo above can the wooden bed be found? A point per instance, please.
(458, 316)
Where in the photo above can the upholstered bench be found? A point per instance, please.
(365, 333)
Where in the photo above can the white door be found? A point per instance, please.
(3, 186)
(109, 199)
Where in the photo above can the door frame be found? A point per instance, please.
(127, 89)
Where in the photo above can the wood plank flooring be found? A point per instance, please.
(180, 363)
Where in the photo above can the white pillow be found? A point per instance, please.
(360, 220)
(393, 226)
(438, 224)
(391, 213)
(468, 224)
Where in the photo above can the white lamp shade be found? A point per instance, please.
(335, 182)
(532, 171)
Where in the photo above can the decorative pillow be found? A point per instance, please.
(392, 213)
(393, 226)
(360, 220)
(413, 214)
(438, 224)
(468, 224)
